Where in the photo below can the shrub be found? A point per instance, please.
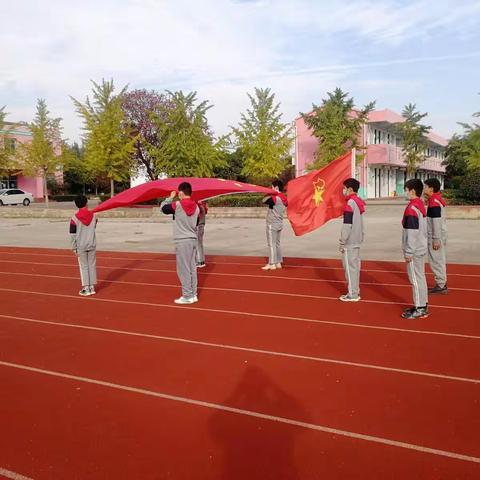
(62, 198)
(456, 181)
(242, 200)
(470, 186)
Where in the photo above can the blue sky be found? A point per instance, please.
(393, 51)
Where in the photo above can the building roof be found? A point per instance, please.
(389, 116)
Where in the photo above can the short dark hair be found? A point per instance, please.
(433, 183)
(81, 201)
(352, 183)
(278, 184)
(186, 188)
(414, 184)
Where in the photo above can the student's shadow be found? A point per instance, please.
(117, 274)
(256, 448)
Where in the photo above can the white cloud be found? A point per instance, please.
(221, 48)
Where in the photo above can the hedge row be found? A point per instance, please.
(242, 200)
(62, 198)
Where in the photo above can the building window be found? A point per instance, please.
(8, 182)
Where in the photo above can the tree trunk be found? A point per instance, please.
(84, 189)
(45, 190)
(112, 188)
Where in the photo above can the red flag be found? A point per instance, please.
(316, 198)
(202, 189)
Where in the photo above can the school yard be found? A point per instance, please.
(268, 376)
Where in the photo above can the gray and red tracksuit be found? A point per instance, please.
(351, 239)
(84, 244)
(414, 245)
(185, 215)
(437, 231)
(277, 205)
(203, 210)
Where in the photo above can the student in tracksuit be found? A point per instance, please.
(276, 209)
(414, 246)
(351, 238)
(200, 233)
(185, 215)
(84, 245)
(437, 235)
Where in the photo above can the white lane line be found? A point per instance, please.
(249, 350)
(247, 314)
(249, 413)
(13, 475)
(258, 292)
(207, 273)
(311, 267)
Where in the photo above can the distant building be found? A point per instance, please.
(382, 172)
(15, 134)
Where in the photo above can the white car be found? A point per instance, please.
(13, 196)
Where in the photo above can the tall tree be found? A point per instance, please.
(42, 154)
(109, 143)
(186, 145)
(414, 137)
(455, 161)
(5, 150)
(233, 167)
(75, 172)
(139, 107)
(262, 138)
(337, 125)
(471, 144)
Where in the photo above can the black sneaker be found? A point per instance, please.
(438, 290)
(416, 313)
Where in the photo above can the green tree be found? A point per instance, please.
(414, 137)
(185, 143)
(337, 125)
(75, 172)
(42, 154)
(109, 143)
(5, 151)
(262, 138)
(471, 144)
(233, 167)
(455, 161)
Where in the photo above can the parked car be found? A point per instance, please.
(13, 196)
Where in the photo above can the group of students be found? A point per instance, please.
(424, 233)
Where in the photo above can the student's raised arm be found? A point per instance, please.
(167, 205)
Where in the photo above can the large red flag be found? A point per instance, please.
(203, 189)
(316, 198)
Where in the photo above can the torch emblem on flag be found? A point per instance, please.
(319, 189)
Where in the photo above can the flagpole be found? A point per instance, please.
(354, 161)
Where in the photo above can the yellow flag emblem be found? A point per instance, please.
(319, 189)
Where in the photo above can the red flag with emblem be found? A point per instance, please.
(316, 198)
(202, 189)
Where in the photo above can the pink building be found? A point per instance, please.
(13, 135)
(382, 173)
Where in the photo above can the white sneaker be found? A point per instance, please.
(92, 291)
(268, 266)
(195, 299)
(184, 301)
(278, 266)
(348, 298)
(84, 292)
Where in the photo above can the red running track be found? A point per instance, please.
(263, 378)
